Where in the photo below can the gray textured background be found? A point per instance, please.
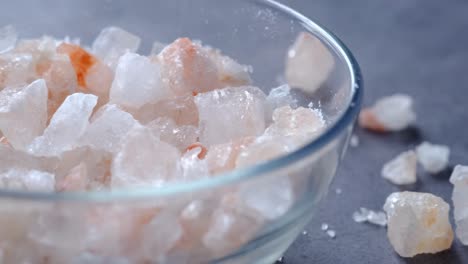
(419, 47)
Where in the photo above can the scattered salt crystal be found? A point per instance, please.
(459, 179)
(324, 227)
(433, 158)
(8, 37)
(66, 126)
(109, 126)
(402, 169)
(366, 215)
(338, 191)
(391, 113)
(137, 82)
(280, 259)
(134, 165)
(304, 232)
(331, 233)
(309, 63)
(114, 42)
(23, 113)
(418, 223)
(230, 113)
(354, 141)
(27, 180)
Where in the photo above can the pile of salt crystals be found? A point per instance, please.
(76, 119)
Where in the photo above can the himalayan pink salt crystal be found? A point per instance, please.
(228, 231)
(187, 68)
(279, 97)
(391, 113)
(99, 80)
(41, 49)
(15, 159)
(161, 235)
(418, 223)
(264, 148)
(193, 164)
(182, 110)
(23, 113)
(222, 157)
(66, 126)
(144, 161)
(75, 180)
(16, 69)
(27, 180)
(459, 179)
(112, 43)
(402, 169)
(366, 215)
(230, 72)
(108, 127)
(304, 124)
(309, 63)
(180, 137)
(270, 197)
(8, 37)
(230, 113)
(137, 82)
(433, 158)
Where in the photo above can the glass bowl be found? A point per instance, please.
(214, 220)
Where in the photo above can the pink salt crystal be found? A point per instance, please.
(75, 180)
(137, 82)
(134, 165)
(178, 136)
(16, 69)
(222, 157)
(309, 63)
(23, 113)
(99, 80)
(230, 72)
(193, 164)
(12, 158)
(182, 110)
(187, 68)
(264, 148)
(230, 113)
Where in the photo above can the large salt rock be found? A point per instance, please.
(16, 69)
(144, 161)
(302, 124)
(112, 43)
(222, 157)
(27, 180)
(308, 63)
(187, 68)
(108, 127)
(66, 126)
(459, 179)
(391, 113)
(182, 110)
(402, 169)
(434, 158)
(8, 37)
(23, 113)
(180, 137)
(230, 114)
(137, 82)
(418, 223)
(230, 72)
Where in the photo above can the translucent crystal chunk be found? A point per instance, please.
(434, 158)
(402, 169)
(8, 37)
(459, 179)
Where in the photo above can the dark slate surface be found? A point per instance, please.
(419, 47)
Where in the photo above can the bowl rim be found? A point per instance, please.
(346, 119)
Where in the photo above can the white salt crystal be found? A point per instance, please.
(433, 158)
(391, 113)
(304, 232)
(279, 97)
(331, 233)
(366, 215)
(324, 227)
(354, 141)
(114, 42)
(230, 113)
(231, 73)
(182, 110)
(178, 136)
(66, 126)
(27, 180)
(308, 63)
(137, 82)
(144, 161)
(193, 165)
(23, 113)
(459, 179)
(402, 169)
(107, 129)
(8, 37)
(418, 223)
(338, 191)
(17, 69)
